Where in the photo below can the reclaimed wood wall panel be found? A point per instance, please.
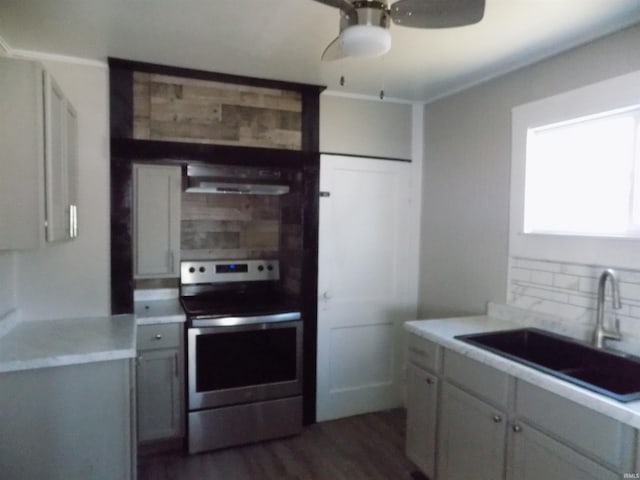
(229, 226)
(200, 111)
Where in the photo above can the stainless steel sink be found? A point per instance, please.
(609, 373)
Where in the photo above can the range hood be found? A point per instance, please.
(238, 180)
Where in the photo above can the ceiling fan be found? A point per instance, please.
(364, 24)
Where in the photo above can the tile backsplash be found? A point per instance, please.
(568, 291)
(229, 226)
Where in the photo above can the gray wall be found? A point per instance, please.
(467, 145)
(7, 282)
(71, 279)
(365, 127)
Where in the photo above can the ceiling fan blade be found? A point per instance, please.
(344, 5)
(333, 51)
(437, 13)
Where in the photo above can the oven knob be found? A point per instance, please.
(260, 268)
(192, 270)
(202, 269)
(269, 267)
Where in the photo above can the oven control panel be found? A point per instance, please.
(221, 271)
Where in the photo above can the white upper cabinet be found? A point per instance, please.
(157, 198)
(38, 149)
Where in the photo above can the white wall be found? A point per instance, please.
(72, 279)
(465, 214)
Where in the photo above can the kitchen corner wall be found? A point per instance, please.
(7, 283)
(71, 279)
(467, 141)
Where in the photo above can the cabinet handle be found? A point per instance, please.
(516, 428)
(158, 336)
(429, 381)
(73, 221)
(497, 418)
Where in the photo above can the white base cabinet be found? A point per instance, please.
(160, 383)
(422, 398)
(67, 423)
(39, 156)
(472, 437)
(536, 456)
(492, 426)
(157, 199)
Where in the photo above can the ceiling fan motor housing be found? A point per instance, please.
(372, 12)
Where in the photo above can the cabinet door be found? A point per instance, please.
(157, 221)
(471, 437)
(21, 155)
(57, 213)
(158, 384)
(535, 456)
(71, 152)
(422, 403)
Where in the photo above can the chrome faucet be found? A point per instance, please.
(600, 334)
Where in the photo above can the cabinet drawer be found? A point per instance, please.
(484, 381)
(597, 435)
(423, 352)
(158, 336)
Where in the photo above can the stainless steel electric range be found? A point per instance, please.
(244, 353)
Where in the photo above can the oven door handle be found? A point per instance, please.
(203, 321)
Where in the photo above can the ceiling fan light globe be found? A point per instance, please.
(365, 41)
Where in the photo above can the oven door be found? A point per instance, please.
(243, 363)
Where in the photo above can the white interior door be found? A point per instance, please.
(364, 250)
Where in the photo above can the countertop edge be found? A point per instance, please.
(160, 320)
(33, 345)
(66, 360)
(435, 331)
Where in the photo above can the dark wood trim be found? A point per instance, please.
(132, 65)
(121, 236)
(310, 286)
(126, 150)
(311, 120)
(373, 157)
(121, 103)
(211, 153)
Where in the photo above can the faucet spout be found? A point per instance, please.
(600, 333)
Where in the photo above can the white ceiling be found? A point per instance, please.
(283, 39)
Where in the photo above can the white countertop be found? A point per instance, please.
(158, 305)
(443, 331)
(53, 343)
(150, 312)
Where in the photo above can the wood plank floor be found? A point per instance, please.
(364, 447)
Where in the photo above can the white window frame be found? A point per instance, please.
(616, 93)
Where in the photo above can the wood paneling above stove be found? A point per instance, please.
(202, 111)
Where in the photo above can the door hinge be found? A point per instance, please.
(325, 194)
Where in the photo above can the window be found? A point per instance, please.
(575, 176)
(582, 176)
